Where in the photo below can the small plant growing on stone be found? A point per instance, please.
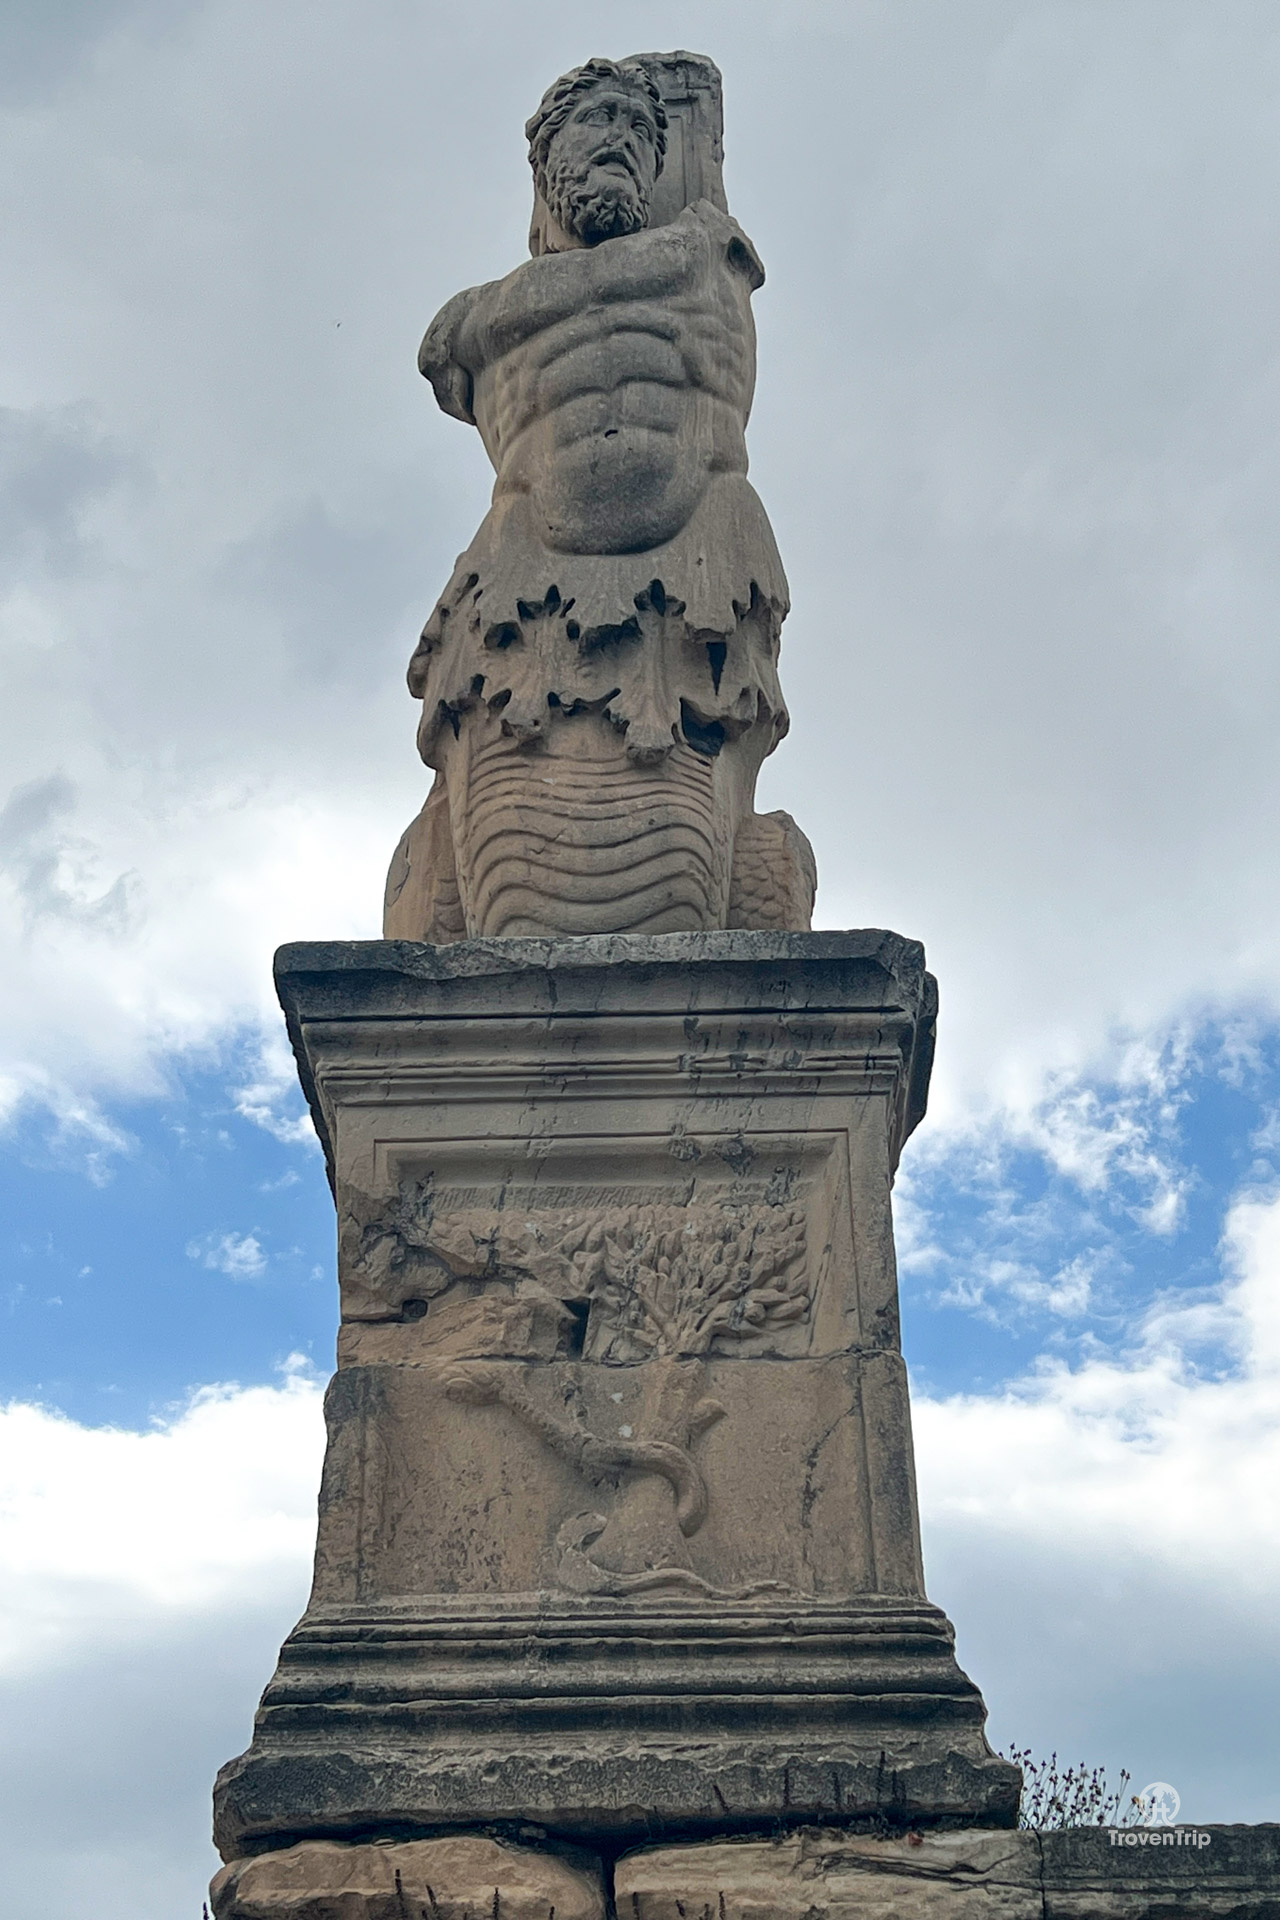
(1055, 1796)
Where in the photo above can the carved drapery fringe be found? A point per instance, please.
(679, 640)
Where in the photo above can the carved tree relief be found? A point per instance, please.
(657, 1286)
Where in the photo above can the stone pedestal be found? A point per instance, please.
(618, 1533)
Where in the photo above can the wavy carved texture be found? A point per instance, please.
(573, 838)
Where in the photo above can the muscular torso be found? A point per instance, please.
(610, 383)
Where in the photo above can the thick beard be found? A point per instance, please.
(591, 215)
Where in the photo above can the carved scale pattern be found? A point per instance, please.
(572, 838)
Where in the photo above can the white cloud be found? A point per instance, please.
(1108, 1538)
(146, 1580)
(275, 1086)
(238, 1255)
(980, 1283)
(211, 1506)
(1024, 1206)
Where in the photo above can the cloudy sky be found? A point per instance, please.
(1016, 428)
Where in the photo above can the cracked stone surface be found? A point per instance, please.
(1211, 1873)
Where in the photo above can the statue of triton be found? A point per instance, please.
(599, 679)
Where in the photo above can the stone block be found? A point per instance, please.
(1210, 1873)
(459, 1877)
(967, 1875)
(1204, 1873)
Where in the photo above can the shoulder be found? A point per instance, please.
(440, 357)
(727, 237)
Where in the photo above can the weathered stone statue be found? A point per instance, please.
(618, 1603)
(618, 1533)
(599, 680)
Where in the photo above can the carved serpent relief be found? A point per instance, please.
(639, 1545)
(661, 1284)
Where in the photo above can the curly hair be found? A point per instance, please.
(557, 104)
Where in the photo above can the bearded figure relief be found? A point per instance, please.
(599, 679)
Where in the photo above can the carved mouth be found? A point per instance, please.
(613, 161)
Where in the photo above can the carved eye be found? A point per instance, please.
(596, 116)
(641, 125)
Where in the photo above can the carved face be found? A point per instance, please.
(602, 165)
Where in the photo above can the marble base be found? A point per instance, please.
(618, 1527)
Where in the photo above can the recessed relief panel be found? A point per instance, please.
(693, 1479)
(618, 1249)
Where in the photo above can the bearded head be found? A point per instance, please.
(596, 146)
